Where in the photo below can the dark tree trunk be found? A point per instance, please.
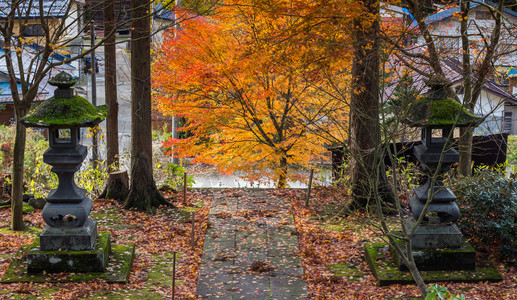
(17, 177)
(465, 151)
(282, 177)
(143, 194)
(117, 187)
(111, 88)
(364, 108)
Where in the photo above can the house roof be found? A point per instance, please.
(455, 9)
(162, 13)
(453, 71)
(29, 56)
(490, 86)
(6, 96)
(51, 8)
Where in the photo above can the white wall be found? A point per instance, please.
(450, 27)
(492, 107)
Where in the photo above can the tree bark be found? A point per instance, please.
(282, 178)
(465, 151)
(117, 187)
(143, 194)
(17, 177)
(364, 107)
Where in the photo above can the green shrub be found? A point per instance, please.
(39, 180)
(440, 292)
(489, 206)
(511, 155)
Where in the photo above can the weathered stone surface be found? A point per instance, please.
(462, 258)
(386, 271)
(37, 203)
(27, 197)
(85, 261)
(436, 236)
(246, 232)
(121, 260)
(69, 238)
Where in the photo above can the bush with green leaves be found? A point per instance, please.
(436, 292)
(511, 154)
(488, 202)
(39, 180)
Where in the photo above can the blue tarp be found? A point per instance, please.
(512, 72)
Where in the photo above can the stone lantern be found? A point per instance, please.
(438, 115)
(68, 227)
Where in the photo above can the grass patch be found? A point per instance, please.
(30, 231)
(344, 270)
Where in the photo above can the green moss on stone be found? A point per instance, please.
(27, 209)
(386, 271)
(118, 271)
(74, 111)
(443, 112)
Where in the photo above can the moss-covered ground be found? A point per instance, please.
(155, 236)
(332, 247)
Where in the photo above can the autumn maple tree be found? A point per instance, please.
(246, 80)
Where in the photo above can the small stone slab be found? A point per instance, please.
(463, 258)
(69, 238)
(118, 270)
(251, 286)
(215, 279)
(387, 272)
(57, 261)
(436, 236)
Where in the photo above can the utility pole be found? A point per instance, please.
(175, 120)
(95, 150)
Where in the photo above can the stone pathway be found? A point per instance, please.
(250, 249)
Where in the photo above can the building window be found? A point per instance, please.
(33, 30)
(507, 121)
(483, 15)
(459, 90)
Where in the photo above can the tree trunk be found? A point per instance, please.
(282, 177)
(465, 150)
(17, 177)
(364, 104)
(143, 194)
(117, 187)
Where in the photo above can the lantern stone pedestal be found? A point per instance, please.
(74, 261)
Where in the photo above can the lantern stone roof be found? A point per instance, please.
(75, 111)
(440, 113)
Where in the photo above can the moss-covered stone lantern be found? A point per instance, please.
(66, 212)
(437, 115)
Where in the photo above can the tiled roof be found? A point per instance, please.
(51, 8)
(29, 56)
(451, 11)
(453, 71)
(162, 13)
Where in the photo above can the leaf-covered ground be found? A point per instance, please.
(155, 237)
(331, 252)
(331, 249)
